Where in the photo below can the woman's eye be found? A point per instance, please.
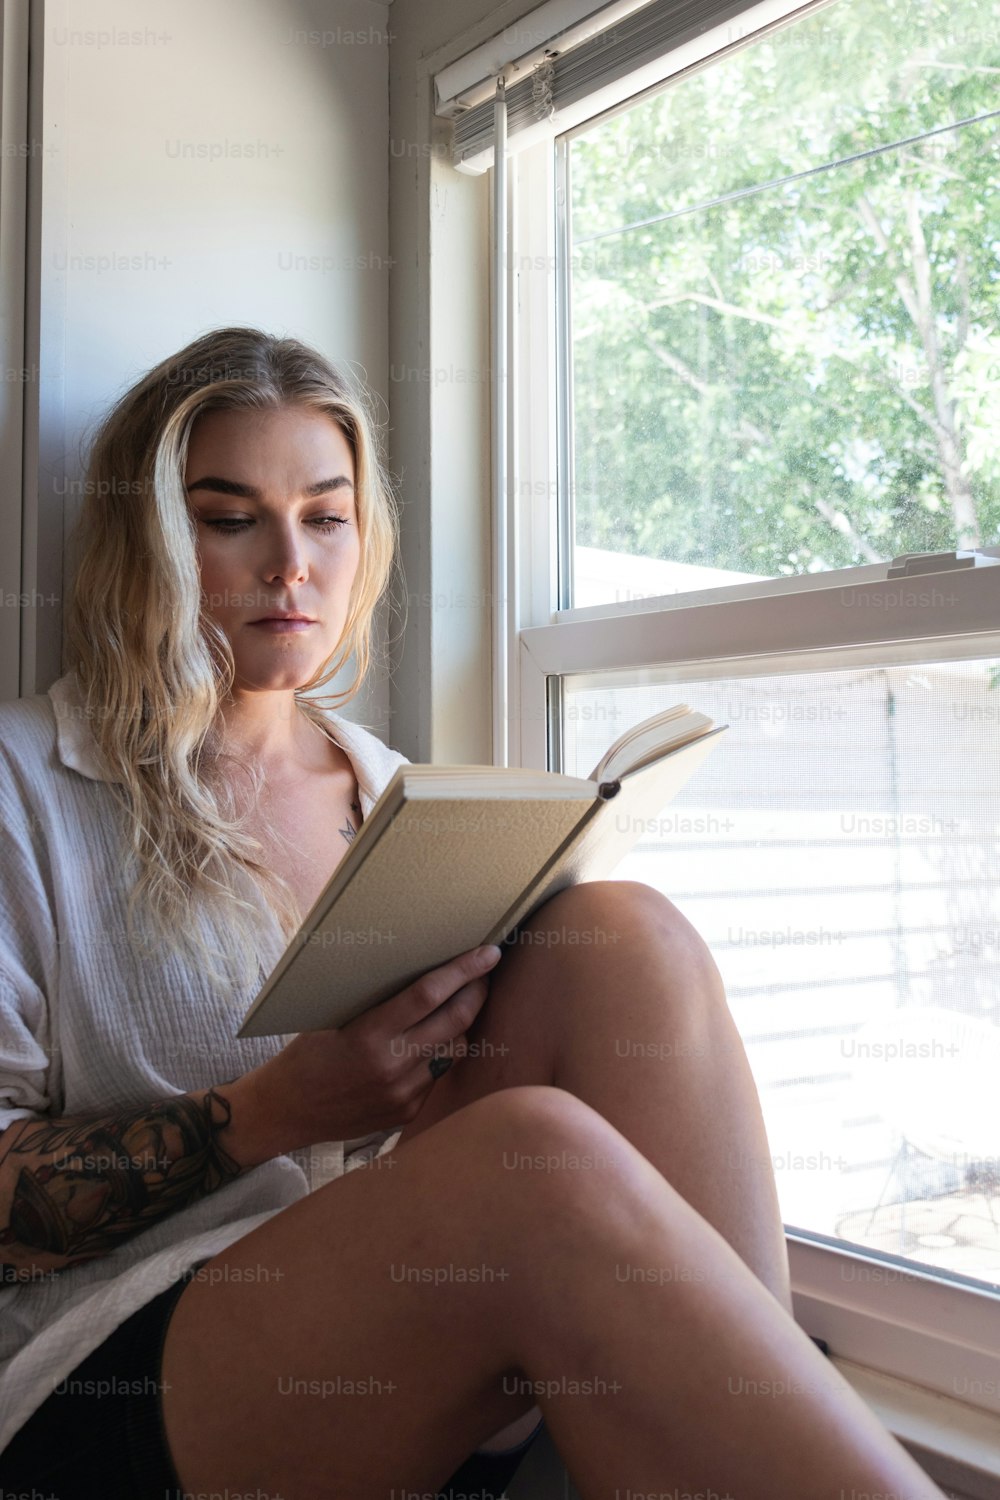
(229, 526)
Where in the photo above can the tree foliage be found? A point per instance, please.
(798, 368)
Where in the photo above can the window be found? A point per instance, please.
(755, 370)
(781, 281)
(839, 855)
(781, 359)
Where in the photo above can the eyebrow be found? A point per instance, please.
(250, 492)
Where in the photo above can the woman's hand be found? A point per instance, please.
(373, 1074)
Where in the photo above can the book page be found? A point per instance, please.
(649, 741)
(616, 823)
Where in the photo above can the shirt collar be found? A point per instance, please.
(78, 749)
(75, 743)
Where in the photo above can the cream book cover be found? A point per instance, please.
(452, 857)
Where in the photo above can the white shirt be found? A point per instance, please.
(88, 1027)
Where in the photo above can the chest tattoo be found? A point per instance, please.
(349, 831)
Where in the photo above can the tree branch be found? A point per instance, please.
(720, 306)
(684, 372)
(950, 444)
(908, 295)
(962, 279)
(840, 522)
(917, 298)
(679, 368)
(927, 417)
(925, 161)
(834, 518)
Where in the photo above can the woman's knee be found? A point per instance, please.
(631, 924)
(599, 914)
(536, 1146)
(529, 1112)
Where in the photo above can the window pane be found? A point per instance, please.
(776, 373)
(838, 852)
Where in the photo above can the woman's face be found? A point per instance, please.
(272, 493)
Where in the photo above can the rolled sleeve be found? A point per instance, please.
(28, 963)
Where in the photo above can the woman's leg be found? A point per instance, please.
(610, 993)
(481, 1268)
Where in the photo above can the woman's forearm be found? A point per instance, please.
(73, 1188)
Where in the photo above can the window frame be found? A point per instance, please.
(920, 1329)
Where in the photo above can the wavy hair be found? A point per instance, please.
(154, 668)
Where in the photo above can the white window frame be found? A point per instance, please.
(916, 1329)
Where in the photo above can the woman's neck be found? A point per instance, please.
(271, 729)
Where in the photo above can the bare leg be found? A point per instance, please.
(611, 994)
(696, 1380)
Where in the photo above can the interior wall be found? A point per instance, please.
(439, 353)
(204, 164)
(15, 152)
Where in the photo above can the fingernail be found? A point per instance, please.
(488, 955)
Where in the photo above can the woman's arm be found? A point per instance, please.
(72, 1189)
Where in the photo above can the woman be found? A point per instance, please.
(201, 1292)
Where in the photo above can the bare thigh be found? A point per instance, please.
(365, 1338)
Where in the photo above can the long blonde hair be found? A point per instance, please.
(154, 668)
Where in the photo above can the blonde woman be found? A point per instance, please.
(322, 1264)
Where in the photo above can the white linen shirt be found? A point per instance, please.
(88, 1027)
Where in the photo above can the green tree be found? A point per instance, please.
(795, 372)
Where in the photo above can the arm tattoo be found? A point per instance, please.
(107, 1179)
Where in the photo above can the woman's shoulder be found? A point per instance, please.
(28, 730)
(46, 746)
(373, 761)
(28, 763)
(364, 743)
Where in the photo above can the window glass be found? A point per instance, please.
(784, 272)
(839, 852)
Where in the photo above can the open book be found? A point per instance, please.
(454, 857)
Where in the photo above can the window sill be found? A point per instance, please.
(958, 1445)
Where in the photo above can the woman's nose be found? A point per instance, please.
(285, 557)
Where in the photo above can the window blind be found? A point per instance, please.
(548, 80)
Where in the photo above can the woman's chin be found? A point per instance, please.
(278, 677)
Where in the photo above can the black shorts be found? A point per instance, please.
(102, 1438)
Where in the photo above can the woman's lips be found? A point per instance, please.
(280, 626)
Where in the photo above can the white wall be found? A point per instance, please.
(136, 98)
(15, 149)
(439, 324)
(236, 153)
